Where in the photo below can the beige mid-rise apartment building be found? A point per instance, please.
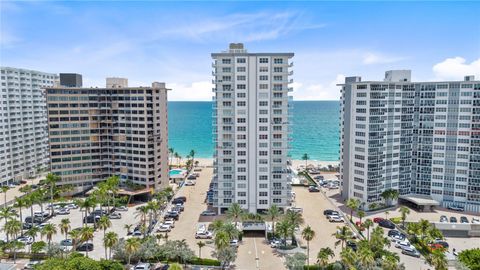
(99, 132)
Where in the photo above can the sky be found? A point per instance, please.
(172, 42)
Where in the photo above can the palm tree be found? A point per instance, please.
(49, 230)
(353, 205)
(128, 227)
(438, 260)
(109, 240)
(32, 232)
(323, 256)
(348, 258)
(273, 213)
(132, 245)
(372, 206)
(142, 211)
(283, 228)
(234, 212)
(171, 150)
(86, 234)
(222, 240)
(366, 257)
(103, 224)
(75, 235)
(200, 246)
(4, 189)
(177, 156)
(361, 214)
(343, 234)
(306, 158)
(192, 155)
(367, 224)
(15, 245)
(51, 181)
(404, 211)
(20, 203)
(6, 213)
(65, 226)
(12, 228)
(386, 214)
(390, 261)
(295, 219)
(308, 234)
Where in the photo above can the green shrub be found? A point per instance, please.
(209, 262)
(470, 258)
(396, 220)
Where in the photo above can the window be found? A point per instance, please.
(263, 60)
(263, 69)
(278, 61)
(263, 86)
(263, 77)
(226, 61)
(241, 103)
(241, 95)
(241, 69)
(241, 60)
(241, 86)
(277, 69)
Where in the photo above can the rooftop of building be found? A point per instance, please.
(401, 76)
(238, 49)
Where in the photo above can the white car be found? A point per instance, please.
(234, 243)
(476, 220)
(71, 206)
(275, 243)
(397, 238)
(335, 218)
(170, 223)
(30, 265)
(115, 215)
(62, 211)
(189, 183)
(403, 244)
(141, 266)
(164, 228)
(40, 226)
(41, 214)
(203, 235)
(121, 208)
(27, 240)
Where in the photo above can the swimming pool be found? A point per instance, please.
(176, 172)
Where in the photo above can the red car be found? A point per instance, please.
(377, 219)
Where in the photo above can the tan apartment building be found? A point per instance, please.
(95, 133)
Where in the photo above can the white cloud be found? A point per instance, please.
(196, 91)
(245, 27)
(456, 68)
(328, 91)
(371, 58)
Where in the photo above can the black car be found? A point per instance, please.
(35, 220)
(91, 219)
(181, 198)
(352, 245)
(385, 223)
(453, 220)
(313, 189)
(463, 219)
(173, 215)
(85, 247)
(393, 232)
(27, 226)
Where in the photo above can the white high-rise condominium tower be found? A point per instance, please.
(419, 138)
(23, 123)
(251, 116)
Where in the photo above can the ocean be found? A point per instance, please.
(315, 129)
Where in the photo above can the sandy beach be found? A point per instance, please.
(206, 162)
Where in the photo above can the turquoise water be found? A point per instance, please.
(175, 172)
(315, 129)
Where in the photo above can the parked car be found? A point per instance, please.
(41, 225)
(386, 224)
(170, 223)
(121, 208)
(352, 245)
(463, 219)
(172, 214)
(403, 244)
(43, 214)
(377, 219)
(335, 218)
(85, 247)
(296, 209)
(456, 208)
(475, 220)
(313, 189)
(71, 206)
(443, 243)
(27, 240)
(443, 219)
(27, 226)
(141, 266)
(393, 232)
(30, 265)
(115, 215)
(275, 243)
(91, 219)
(234, 243)
(453, 220)
(181, 198)
(189, 183)
(164, 228)
(208, 213)
(411, 251)
(397, 238)
(35, 220)
(66, 242)
(62, 211)
(330, 212)
(203, 235)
